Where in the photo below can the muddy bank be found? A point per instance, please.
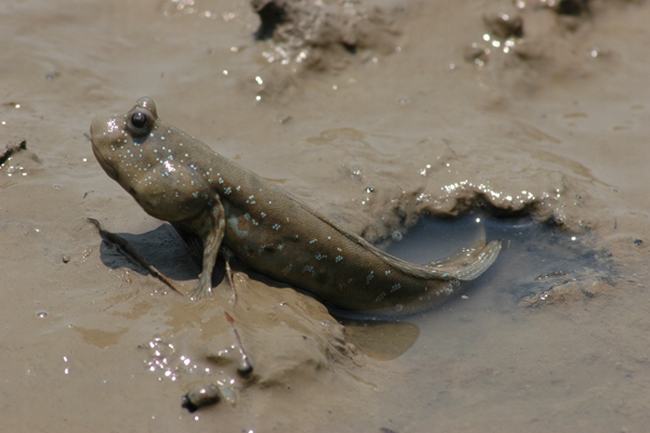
(414, 129)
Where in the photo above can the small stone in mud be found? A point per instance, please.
(245, 369)
(571, 7)
(65, 258)
(504, 26)
(200, 397)
(638, 242)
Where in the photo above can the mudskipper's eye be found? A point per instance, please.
(140, 122)
(139, 119)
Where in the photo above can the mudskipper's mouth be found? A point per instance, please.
(110, 171)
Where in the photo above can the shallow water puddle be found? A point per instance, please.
(535, 256)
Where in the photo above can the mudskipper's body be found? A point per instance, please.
(177, 178)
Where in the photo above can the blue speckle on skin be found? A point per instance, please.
(370, 276)
(395, 287)
(233, 222)
(338, 259)
(313, 241)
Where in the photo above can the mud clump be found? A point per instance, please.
(543, 35)
(288, 336)
(322, 34)
(504, 26)
(395, 214)
(503, 32)
(310, 339)
(566, 293)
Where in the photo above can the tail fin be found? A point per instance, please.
(470, 263)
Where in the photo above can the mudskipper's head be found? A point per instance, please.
(118, 141)
(159, 165)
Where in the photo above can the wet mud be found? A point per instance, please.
(407, 109)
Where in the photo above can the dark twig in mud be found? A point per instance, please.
(128, 251)
(245, 368)
(11, 149)
(231, 281)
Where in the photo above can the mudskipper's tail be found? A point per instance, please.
(470, 263)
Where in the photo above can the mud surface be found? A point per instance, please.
(443, 107)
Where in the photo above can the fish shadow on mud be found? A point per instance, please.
(160, 247)
(166, 251)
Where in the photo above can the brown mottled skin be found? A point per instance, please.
(177, 178)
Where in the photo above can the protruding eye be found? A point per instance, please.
(140, 122)
(139, 119)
